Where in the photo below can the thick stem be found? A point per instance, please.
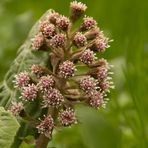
(42, 141)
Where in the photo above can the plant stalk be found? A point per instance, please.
(42, 141)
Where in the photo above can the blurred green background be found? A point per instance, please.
(124, 123)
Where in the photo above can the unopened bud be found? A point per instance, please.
(77, 10)
(79, 40)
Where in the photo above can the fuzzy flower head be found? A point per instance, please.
(106, 85)
(102, 72)
(37, 41)
(88, 83)
(37, 70)
(96, 99)
(67, 117)
(22, 80)
(29, 93)
(100, 44)
(88, 23)
(58, 41)
(16, 108)
(46, 126)
(52, 18)
(87, 57)
(67, 69)
(63, 23)
(77, 9)
(52, 97)
(79, 40)
(47, 29)
(46, 82)
(103, 62)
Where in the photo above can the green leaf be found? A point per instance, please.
(8, 128)
(96, 130)
(67, 138)
(25, 58)
(29, 142)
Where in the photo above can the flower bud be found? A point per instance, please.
(52, 97)
(29, 93)
(46, 126)
(88, 84)
(96, 99)
(22, 79)
(67, 69)
(37, 41)
(79, 40)
(100, 44)
(87, 57)
(52, 18)
(103, 62)
(47, 29)
(77, 10)
(101, 72)
(106, 85)
(46, 82)
(67, 117)
(16, 108)
(88, 23)
(58, 40)
(37, 70)
(63, 23)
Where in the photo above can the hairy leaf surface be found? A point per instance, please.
(25, 58)
(8, 128)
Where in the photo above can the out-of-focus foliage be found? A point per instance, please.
(124, 123)
(95, 131)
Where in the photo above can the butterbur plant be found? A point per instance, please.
(56, 69)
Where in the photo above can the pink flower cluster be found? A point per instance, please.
(76, 75)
